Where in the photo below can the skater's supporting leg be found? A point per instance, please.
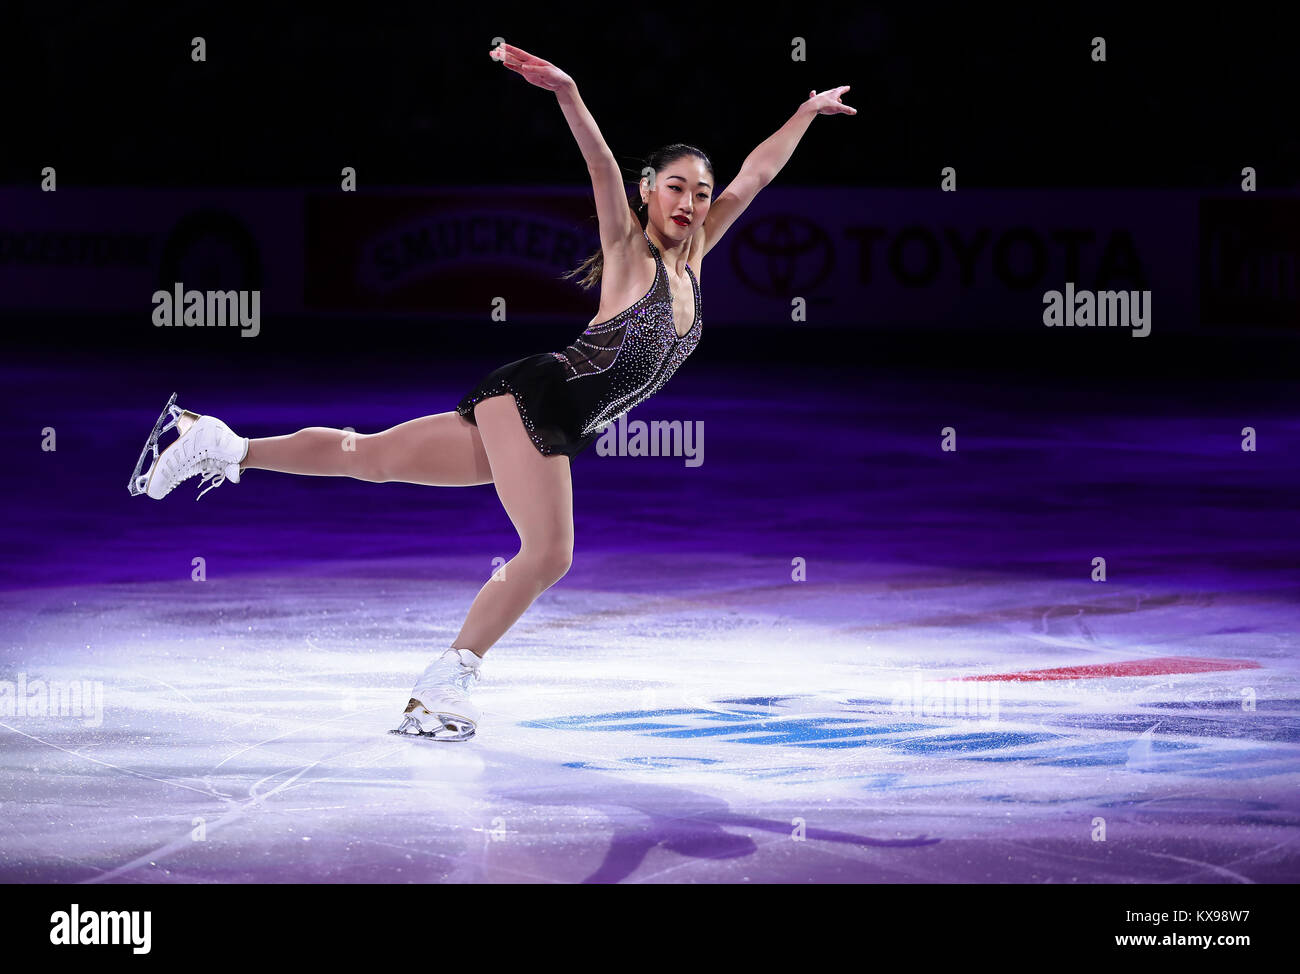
(537, 494)
(442, 450)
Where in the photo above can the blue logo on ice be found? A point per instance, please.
(768, 727)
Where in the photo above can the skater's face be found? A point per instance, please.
(683, 189)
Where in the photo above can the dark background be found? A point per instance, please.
(407, 94)
(407, 91)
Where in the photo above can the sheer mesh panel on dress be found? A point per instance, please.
(596, 348)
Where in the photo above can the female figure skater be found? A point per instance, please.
(519, 428)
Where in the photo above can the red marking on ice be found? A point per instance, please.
(1135, 667)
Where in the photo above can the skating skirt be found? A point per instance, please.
(551, 418)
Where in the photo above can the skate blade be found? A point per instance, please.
(171, 417)
(454, 728)
(139, 483)
(181, 420)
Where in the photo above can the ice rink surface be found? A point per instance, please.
(682, 706)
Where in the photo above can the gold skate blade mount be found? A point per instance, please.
(184, 421)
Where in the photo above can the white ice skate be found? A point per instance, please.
(204, 444)
(440, 707)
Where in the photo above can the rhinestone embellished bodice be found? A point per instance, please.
(619, 363)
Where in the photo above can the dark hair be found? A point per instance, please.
(659, 160)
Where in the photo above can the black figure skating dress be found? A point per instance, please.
(566, 398)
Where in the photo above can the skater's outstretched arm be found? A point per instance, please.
(619, 226)
(761, 166)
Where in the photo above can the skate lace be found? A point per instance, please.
(211, 468)
(452, 672)
(463, 677)
(469, 674)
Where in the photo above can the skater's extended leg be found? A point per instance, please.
(442, 450)
(537, 494)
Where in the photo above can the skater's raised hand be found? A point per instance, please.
(828, 102)
(535, 70)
